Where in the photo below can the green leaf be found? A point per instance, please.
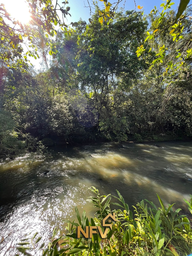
(73, 251)
(109, 235)
(64, 250)
(45, 252)
(169, 208)
(182, 7)
(54, 232)
(78, 215)
(120, 196)
(105, 198)
(117, 205)
(42, 246)
(161, 203)
(157, 215)
(101, 20)
(23, 243)
(74, 235)
(151, 203)
(35, 235)
(161, 243)
(23, 250)
(107, 203)
(126, 237)
(181, 224)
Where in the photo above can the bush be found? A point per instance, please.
(137, 137)
(9, 142)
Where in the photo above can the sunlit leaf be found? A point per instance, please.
(108, 6)
(101, 20)
(155, 30)
(100, 13)
(161, 243)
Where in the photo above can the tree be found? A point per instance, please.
(44, 16)
(64, 64)
(175, 29)
(107, 50)
(106, 56)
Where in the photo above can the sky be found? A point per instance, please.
(79, 10)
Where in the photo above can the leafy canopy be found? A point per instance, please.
(14, 34)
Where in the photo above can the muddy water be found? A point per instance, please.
(39, 192)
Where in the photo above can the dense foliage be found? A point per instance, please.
(14, 34)
(101, 84)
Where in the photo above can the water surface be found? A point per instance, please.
(39, 192)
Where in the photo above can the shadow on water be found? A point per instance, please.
(40, 192)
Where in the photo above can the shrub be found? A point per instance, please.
(9, 142)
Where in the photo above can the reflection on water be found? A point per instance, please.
(38, 193)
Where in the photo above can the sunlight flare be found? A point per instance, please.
(19, 10)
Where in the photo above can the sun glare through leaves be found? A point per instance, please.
(19, 10)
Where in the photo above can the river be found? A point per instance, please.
(40, 192)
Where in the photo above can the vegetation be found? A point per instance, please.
(107, 80)
(123, 75)
(147, 231)
(13, 34)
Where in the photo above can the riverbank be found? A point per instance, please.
(43, 145)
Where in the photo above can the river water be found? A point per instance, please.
(40, 192)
